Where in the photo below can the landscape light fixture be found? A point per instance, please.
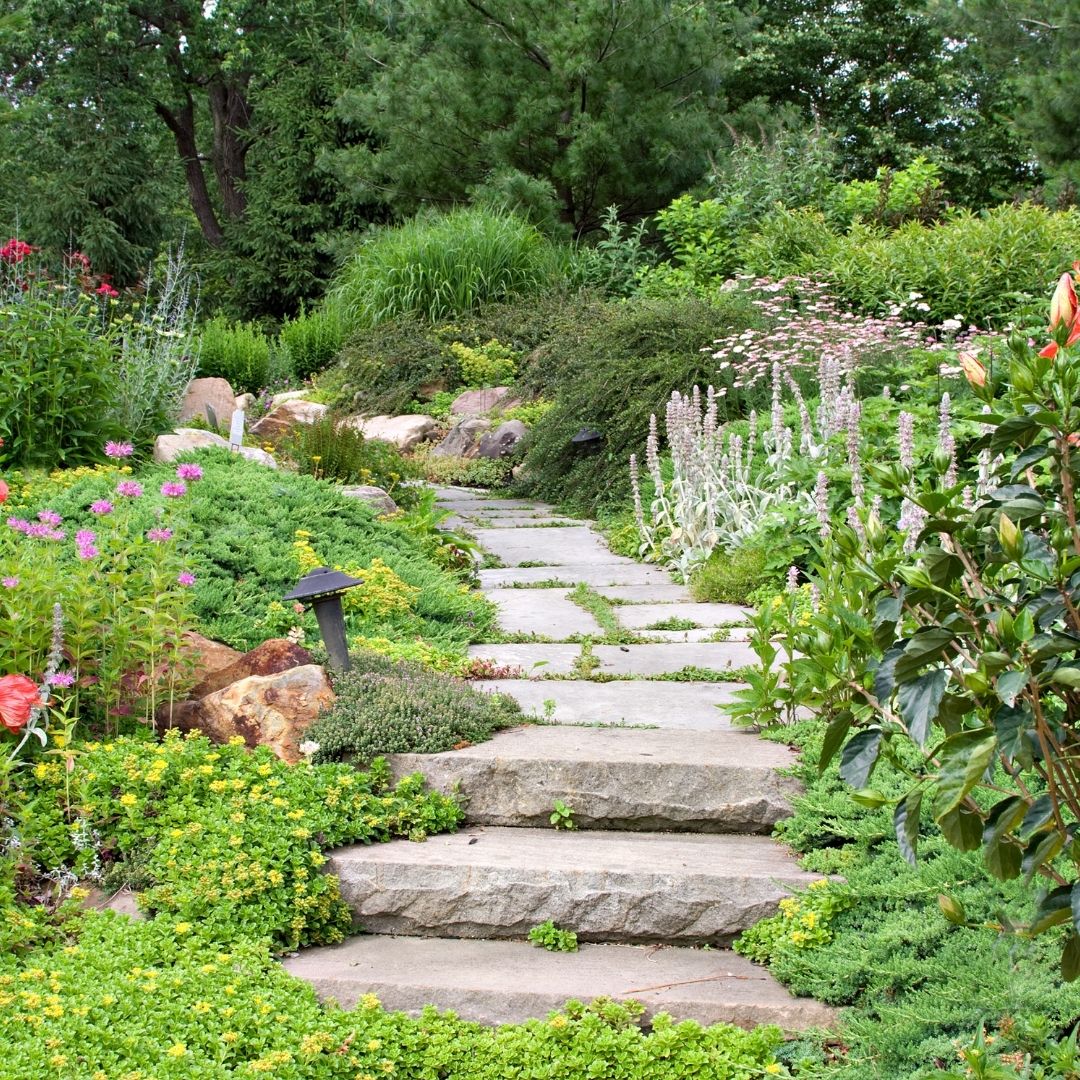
(322, 588)
(587, 439)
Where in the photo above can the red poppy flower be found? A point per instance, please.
(19, 696)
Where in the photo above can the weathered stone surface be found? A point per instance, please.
(478, 402)
(270, 658)
(123, 902)
(662, 658)
(724, 781)
(508, 982)
(687, 705)
(215, 393)
(597, 574)
(645, 594)
(462, 439)
(500, 443)
(640, 616)
(606, 886)
(287, 395)
(207, 655)
(548, 612)
(244, 402)
(266, 710)
(286, 417)
(554, 547)
(170, 446)
(373, 495)
(404, 432)
(521, 521)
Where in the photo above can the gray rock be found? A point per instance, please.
(508, 982)
(170, 446)
(606, 886)
(478, 402)
(720, 782)
(462, 438)
(501, 442)
(244, 402)
(548, 612)
(373, 495)
(205, 395)
(404, 432)
(287, 395)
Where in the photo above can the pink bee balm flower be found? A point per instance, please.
(19, 524)
(49, 517)
(184, 578)
(84, 537)
(119, 450)
(174, 489)
(61, 678)
(87, 551)
(129, 488)
(189, 471)
(159, 535)
(10, 582)
(102, 506)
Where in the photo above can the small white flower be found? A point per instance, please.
(309, 747)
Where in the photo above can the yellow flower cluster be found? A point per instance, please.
(383, 592)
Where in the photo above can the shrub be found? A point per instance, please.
(465, 472)
(893, 196)
(490, 364)
(441, 266)
(311, 341)
(729, 577)
(238, 352)
(389, 707)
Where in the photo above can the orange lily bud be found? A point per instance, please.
(1064, 305)
(973, 370)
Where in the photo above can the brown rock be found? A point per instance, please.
(478, 402)
(215, 393)
(287, 416)
(172, 444)
(266, 710)
(404, 432)
(270, 658)
(208, 656)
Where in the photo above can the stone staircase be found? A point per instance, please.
(670, 859)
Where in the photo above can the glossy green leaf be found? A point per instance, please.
(919, 702)
(859, 757)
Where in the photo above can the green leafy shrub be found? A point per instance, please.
(788, 242)
(615, 262)
(893, 196)
(238, 352)
(730, 577)
(464, 472)
(311, 342)
(138, 998)
(220, 836)
(441, 266)
(548, 936)
(333, 451)
(490, 364)
(389, 707)
(241, 524)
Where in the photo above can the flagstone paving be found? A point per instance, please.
(671, 802)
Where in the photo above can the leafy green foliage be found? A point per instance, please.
(893, 196)
(490, 364)
(310, 342)
(562, 817)
(548, 936)
(731, 576)
(465, 472)
(238, 352)
(385, 706)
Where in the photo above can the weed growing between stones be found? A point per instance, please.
(548, 936)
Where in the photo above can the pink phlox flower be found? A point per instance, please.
(130, 488)
(119, 449)
(173, 489)
(189, 471)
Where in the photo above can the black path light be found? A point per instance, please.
(322, 588)
(587, 439)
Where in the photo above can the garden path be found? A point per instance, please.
(670, 858)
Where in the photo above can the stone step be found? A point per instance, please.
(508, 982)
(704, 634)
(612, 572)
(645, 594)
(506, 520)
(684, 705)
(548, 612)
(644, 661)
(615, 887)
(642, 616)
(725, 782)
(574, 545)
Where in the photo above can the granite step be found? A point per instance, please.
(508, 982)
(547, 612)
(573, 545)
(541, 661)
(614, 887)
(626, 779)
(614, 571)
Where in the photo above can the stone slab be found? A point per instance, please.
(702, 634)
(479, 502)
(508, 982)
(553, 547)
(663, 593)
(726, 781)
(618, 887)
(640, 616)
(643, 661)
(548, 612)
(685, 705)
(614, 572)
(520, 521)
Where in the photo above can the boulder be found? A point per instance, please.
(462, 439)
(183, 440)
(215, 393)
(478, 402)
(207, 655)
(265, 710)
(404, 432)
(501, 442)
(378, 498)
(285, 417)
(270, 658)
(287, 395)
(244, 402)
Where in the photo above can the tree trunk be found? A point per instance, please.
(182, 124)
(232, 117)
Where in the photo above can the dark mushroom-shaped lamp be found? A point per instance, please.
(587, 439)
(322, 588)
